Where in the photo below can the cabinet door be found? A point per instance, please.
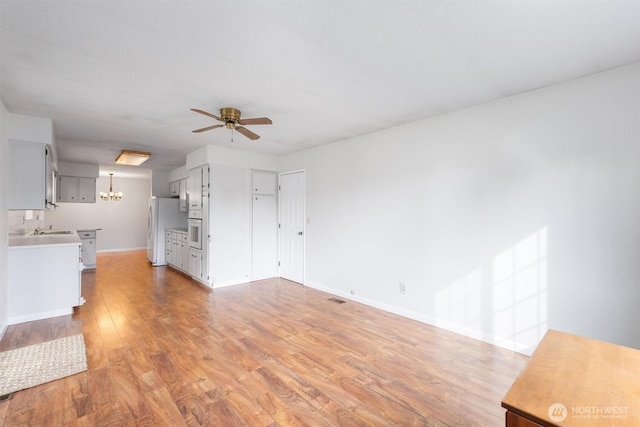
(174, 188)
(86, 190)
(194, 188)
(50, 181)
(182, 195)
(168, 248)
(74, 189)
(195, 263)
(27, 170)
(184, 251)
(176, 256)
(67, 189)
(264, 183)
(89, 253)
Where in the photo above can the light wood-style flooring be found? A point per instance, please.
(163, 350)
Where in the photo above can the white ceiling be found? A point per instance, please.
(124, 74)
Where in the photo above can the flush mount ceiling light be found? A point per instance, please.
(111, 195)
(132, 158)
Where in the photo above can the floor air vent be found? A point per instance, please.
(339, 301)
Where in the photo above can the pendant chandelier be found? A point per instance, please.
(111, 195)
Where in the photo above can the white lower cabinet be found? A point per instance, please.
(195, 263)
(177, 249)
(44, 281)
(88, 248)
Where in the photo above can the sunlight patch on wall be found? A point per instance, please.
(520, 293)
(505, 300)
(461, 302)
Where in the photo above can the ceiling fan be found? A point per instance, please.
(231, 120)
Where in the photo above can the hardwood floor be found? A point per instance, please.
(163, 350)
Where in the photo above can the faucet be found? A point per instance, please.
(38, 230)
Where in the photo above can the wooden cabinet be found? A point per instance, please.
(572, 380)
(76, 189)
(264, 183)
(88, 248)
(32, 175)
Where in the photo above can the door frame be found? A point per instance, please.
(304, 220)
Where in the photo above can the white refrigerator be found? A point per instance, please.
(163, 213)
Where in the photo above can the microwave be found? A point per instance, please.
(194, 233)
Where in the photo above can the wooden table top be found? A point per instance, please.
(588, 382)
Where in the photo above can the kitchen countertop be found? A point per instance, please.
(44, 240)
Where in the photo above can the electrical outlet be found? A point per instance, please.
(402, 288)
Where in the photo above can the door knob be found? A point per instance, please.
(299, 233)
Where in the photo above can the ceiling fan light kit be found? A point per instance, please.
(132, 157)
(230, 117)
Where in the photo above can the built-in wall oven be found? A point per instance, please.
(194, 232)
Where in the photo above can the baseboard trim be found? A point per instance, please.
(3, 330)
(121, 250)
(519, 348)
(39, 316)
(217, 285)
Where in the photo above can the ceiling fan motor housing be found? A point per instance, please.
(230, 117)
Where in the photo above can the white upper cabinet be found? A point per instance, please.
(174, 188)
(197, 186)
(77, 182)
(31, 175)
(182, 194)
(264, 183)
(32, 166)
(179, 189)
(76, 189)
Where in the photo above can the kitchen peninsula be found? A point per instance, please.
(44, 276)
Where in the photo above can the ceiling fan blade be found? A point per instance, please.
(256, 121)
(246, 132)
(207, 128)
(207, 114)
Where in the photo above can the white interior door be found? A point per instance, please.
(291, 220)
(265, 237)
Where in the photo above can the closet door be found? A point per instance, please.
(265, 237)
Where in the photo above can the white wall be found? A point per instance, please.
(160, 184)
(123, 223)
(30, 128)
(226, 156)
(229, 226)
(502, 219)
(4, 166)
